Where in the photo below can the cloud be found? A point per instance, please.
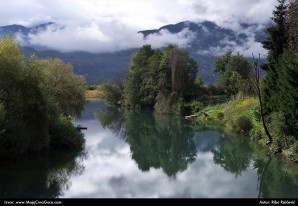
(112, 25)
(245, 48)
(104, 37)
(138, 14)
(229, 13)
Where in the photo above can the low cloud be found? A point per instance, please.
(105, 37)
(246, 48)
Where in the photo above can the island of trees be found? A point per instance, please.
(38, 98)
(256, 98)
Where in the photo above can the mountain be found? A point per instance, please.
(21, 30)
(210, 40)
(96, 68)
(207, 41)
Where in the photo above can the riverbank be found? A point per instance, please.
(241, 115)
(93, 95)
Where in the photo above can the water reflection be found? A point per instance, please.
(233, 154)
(173, 144)
(275, 178)
(43, 176)
(133, 154)
(155, 141)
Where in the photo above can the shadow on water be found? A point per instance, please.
(155, 141)
(43, 176)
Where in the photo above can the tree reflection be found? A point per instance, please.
(276, 179)
(111, 118)
(155, 141)
(40, 176)
(233, 154)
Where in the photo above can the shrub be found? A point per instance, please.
(111, 92)
(256, 114)
(63, 135)
(220, 116)
(197, 106)
(243, 125)
(277, 127)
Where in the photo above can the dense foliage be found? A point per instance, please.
(30, 106)
(280, 85)
(234, 73)
(160, 80)
(157, 80)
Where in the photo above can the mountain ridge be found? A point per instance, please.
(209, 41)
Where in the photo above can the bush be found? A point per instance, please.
(256, 114)
(63, 135)
(220, 116)
(277, 128)
(197, 106)
(243, 125)
(111, 92)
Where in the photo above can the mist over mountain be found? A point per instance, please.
(101, 59)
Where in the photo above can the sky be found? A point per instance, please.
(111, 25)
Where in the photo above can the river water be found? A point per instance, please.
(139, 154)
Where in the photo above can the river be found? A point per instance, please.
(138, 154)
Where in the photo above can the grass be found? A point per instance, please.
(92, 95)
(230, 111)
(226, 115)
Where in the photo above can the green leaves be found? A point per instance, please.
(33, 93)
(158, 79)
(235, 73)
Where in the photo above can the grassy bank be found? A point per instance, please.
(241, 115)
(92, 95)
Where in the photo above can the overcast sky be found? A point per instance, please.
(113, 23)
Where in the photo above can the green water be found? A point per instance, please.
(138, 154)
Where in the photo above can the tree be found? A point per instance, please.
(67, 88)
(160, 80)
(292, 24)
(257, 86)
(287, 68)
(30, 116)
(112, 91)
(24, 103)
(234, 73)
(276, 43)
(134, 89)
